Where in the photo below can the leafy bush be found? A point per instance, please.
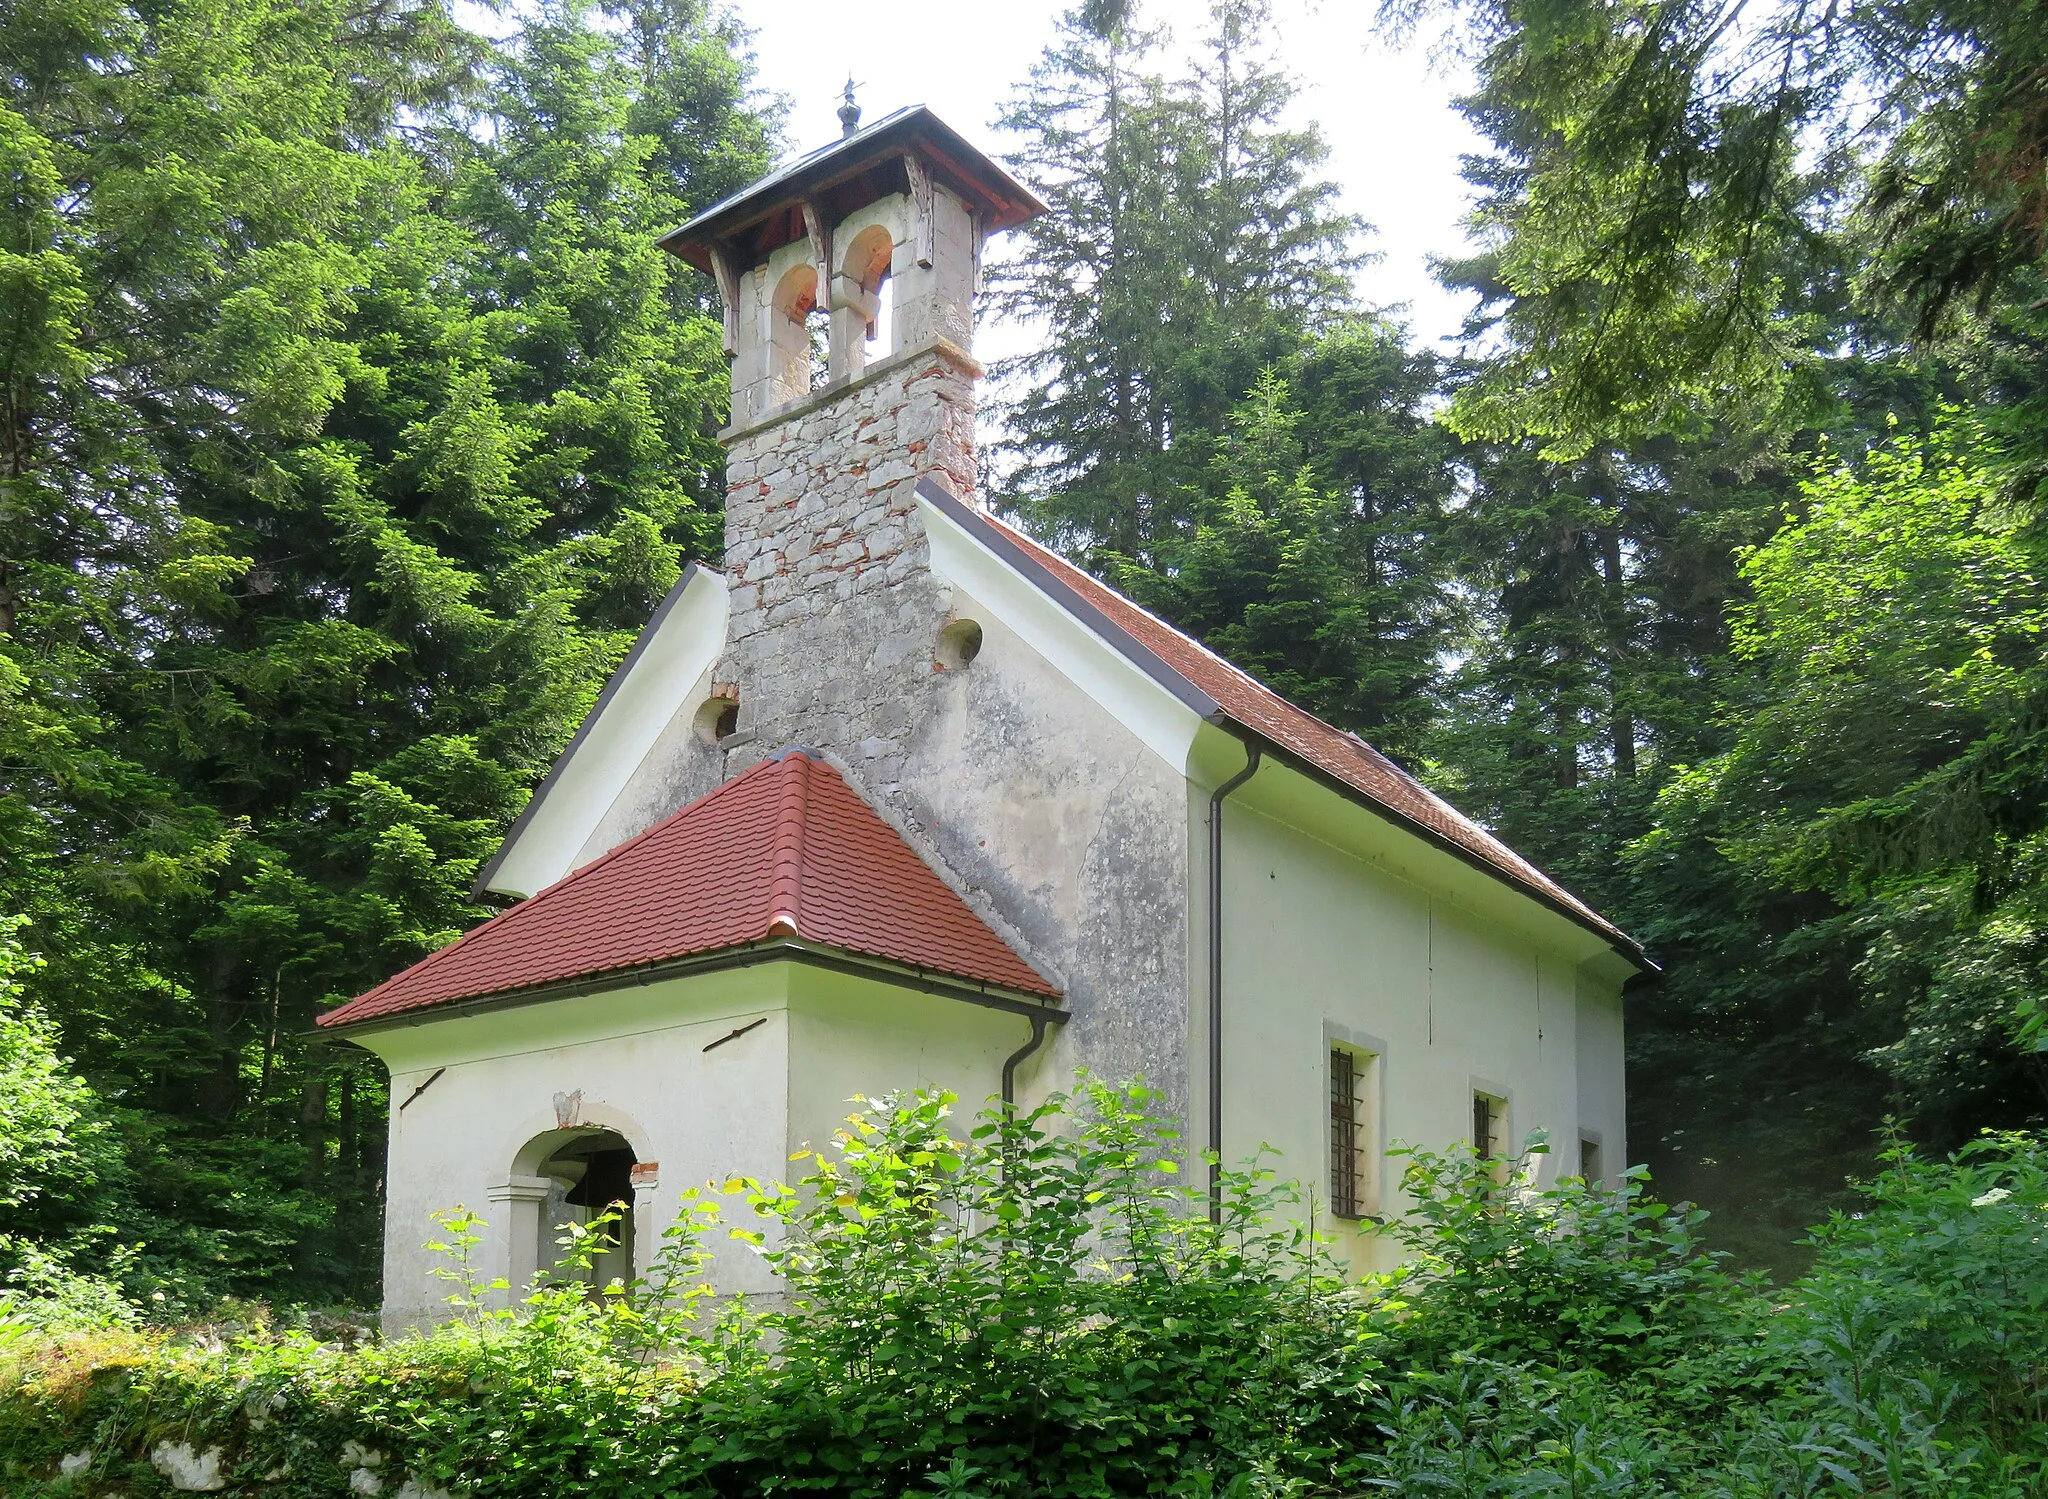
(1575, 1276)
(1039, 1306)
(1577, 1342)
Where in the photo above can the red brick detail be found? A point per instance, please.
(787, 849)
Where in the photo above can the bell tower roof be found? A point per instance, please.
(849, 173)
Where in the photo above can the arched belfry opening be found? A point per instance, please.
(864, 297)
(795, 367)
(879, 233)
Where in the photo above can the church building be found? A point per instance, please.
(895, 796)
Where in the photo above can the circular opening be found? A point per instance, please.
(959, 643)
(718, 718)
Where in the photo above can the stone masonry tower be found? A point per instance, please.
(833, 608)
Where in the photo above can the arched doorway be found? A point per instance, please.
(587, 1171)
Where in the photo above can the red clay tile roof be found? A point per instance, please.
(1223, 691)
(787, 849)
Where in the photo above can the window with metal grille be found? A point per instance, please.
(1488, 1115)
(1351, 1153)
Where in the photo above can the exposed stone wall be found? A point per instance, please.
(834, 609)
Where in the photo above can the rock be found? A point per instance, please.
(414, 1488)
(187, 1470)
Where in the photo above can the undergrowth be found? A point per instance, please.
(1039, 1306)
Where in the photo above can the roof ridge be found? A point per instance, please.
(1263, 688)
(701, 884)
(1274, 716)
(786, 884)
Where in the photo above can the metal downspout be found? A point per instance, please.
(1010, 1063)
(1251, 766)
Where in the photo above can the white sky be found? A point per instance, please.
(1386, 113)
(1394, 138)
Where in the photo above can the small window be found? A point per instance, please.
(1354, 1152)
(1589, 1161)
(717, 718)
(1489, 1126)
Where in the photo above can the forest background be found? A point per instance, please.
(351, 425)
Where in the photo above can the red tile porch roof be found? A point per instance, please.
(785, 850)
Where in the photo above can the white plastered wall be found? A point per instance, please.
(633, 1060)
(1603, 1099)
(1323, 943)
(646, 707)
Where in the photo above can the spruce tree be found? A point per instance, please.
(1099, 271)
(353, 449)
(1211, 422)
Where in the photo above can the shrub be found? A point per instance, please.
(1039, 1306)
(1577, 1343)
(1577, 1275)
(1036, 1305)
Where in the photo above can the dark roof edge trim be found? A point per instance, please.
(772, 950)
(1035, 572)
(1061, 592)
(489, 872)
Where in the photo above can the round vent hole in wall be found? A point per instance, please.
(717, 718)
(959, 643)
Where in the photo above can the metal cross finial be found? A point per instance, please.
(849, 112)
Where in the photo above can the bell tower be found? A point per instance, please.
(848, 280)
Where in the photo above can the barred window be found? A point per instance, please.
(1353, 1153)
(1489, 1124)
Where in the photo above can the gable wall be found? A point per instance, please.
(634, 1060)
(1055, 821)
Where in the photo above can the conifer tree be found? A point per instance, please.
(347, 459)
(1188, 247)
(1211, 421)
(1099, 270)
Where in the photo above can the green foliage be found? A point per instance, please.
(1039, 1305)
(47, 1121)
(360, 424)
(1034, 1304)
(1682, 197)
(1555, 1342)
(57, 1163)
(1212, 422)
(1311, 561)
(1885, 765)
(1188, 247)
(1580, 1276)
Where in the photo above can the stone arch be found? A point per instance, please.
(793, 366)
(865, 288)
(869, 255)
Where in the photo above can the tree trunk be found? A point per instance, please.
(224, 1013)
(1621, 722)
(313, 1123)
